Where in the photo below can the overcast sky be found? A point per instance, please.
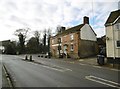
(41, 14)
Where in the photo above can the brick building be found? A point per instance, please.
(76, 42)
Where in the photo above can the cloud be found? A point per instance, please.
(41, 14)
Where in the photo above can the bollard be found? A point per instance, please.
(26, 58)
(30, 57)
(38, 55)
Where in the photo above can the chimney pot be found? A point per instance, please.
(86, 20)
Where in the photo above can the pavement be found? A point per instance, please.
(93, 61)
(89, 61)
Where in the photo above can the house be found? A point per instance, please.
(3, 44)
(75, 42)
(112, 26)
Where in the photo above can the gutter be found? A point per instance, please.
(8, 77)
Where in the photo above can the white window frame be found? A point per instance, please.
(117, 26)
(71, 37)
(72, 47)
(61, 39)
(53, 41)
(116, 44)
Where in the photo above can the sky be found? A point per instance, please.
(45, 14)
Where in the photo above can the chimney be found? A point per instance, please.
(86, 20)
(62, 29)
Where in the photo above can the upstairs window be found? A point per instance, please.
(53, 41)
(59, 40)
(71, 37)
(118, 44)
(117, 26)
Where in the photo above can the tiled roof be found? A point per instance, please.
(71, 30)
(112, 17)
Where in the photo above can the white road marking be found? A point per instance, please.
(72, 62)
(82, 64)
(62, 68)
(97, 66)
(19, 57)
(81, 60)
(115, 69)
(53, 68)
(103, 81)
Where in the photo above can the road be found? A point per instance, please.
(57, 73)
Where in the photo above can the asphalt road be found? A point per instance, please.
(57, 73)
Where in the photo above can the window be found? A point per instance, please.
(53, 41)
(118, 43)
(117, 26)
(59, 40)
(71, 37)
(72, 48)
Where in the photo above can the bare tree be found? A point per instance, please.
(22, 34)
(37, 36)
(44, 38)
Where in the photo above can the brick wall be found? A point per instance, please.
(66, 40)
(87, 48)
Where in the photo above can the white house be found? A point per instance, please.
(112, 26)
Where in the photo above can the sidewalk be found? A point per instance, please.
(89, 61)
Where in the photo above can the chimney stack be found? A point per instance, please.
(86, 20)
(62, 29)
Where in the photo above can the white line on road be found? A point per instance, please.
(53, 68)
(19, 57)
(81, 60)
(62, 68)
(72, 62)
(103, 81)
(82, 64)
(115, 69)
(97, 66)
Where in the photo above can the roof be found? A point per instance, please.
(71, 30)
(112, 17)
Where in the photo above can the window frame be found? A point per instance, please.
(117, 46)
(71, 47)
(117, 26)
(71, 37)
